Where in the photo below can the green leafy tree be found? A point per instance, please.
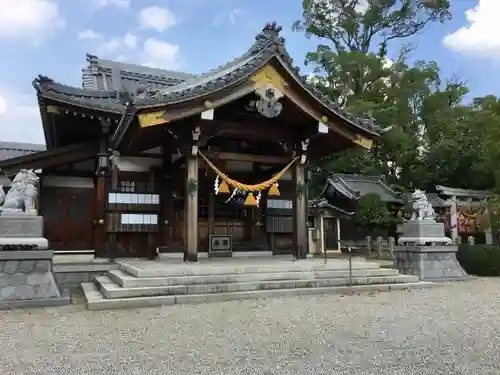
(373, 216)
(435, 138)
(351, 67)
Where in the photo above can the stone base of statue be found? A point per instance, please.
(21, 232)
(425, 252)
(26, 277)
(27, 280)
(423, 232)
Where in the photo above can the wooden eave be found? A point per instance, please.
(50, 158)
(50, 108)
(296, 92)
(58, 99)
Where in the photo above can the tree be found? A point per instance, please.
(373, 215)
(351, 67)
(435, 137)
(355, 29)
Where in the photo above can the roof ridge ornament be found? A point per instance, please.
(40, 80)
(270, 35)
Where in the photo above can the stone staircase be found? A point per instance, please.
(140, 283)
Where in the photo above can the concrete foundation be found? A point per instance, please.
(27, 280)
(429, 263)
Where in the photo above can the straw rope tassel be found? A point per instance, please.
(251, 201)
(244, 187)
(274, 191)
(223, 187)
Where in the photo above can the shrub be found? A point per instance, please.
(480, 260)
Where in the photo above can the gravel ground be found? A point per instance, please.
(452, 329)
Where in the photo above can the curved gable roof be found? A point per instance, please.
(354, 186)
(268, 45)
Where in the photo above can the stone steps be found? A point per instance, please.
(126, 280)
(96, 301)
(160, 269)
(150, 283)
(112, 290)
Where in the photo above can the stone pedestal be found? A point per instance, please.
(423, 232)
(27, 280)
(22, 232)
(429, 263)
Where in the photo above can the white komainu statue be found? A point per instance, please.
(422, 208)
(22, 194)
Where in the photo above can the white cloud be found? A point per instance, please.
(130, 40)
(362, 6)
(232, 17)
(159, 54)
(89, 35)
(29, 19)
(19, 117)
(153, 52)
(117, 3)
(479, 36)
(156, 18)
(109, 47)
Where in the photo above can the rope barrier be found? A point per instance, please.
(244, 187)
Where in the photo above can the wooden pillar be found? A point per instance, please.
(300, 212)
(111, 244)
(166, 199)
(322, 232)
(191, 209)
(99, 216)
(211, 213)
(101, 193)
(337, 227)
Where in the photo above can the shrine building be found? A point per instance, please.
(141, 159)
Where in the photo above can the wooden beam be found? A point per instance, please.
(51, 158)
(264, 159)
(255, 130)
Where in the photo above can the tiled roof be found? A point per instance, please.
(322, 203)
(102, 74)
(436, 200)
(107, 101)
(268, 45)
(433, 198)
(356, 186)
(178, 87)
(10, 150)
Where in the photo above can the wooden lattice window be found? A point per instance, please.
(127, 186)
(202, 206)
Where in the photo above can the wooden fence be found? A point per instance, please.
(378, 248)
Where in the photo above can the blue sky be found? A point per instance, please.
(51, 37)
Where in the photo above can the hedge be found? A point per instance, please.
(480, 260)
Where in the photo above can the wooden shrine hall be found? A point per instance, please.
(141, 159)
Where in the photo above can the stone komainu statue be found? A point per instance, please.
(22, 194)
(422, 208)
